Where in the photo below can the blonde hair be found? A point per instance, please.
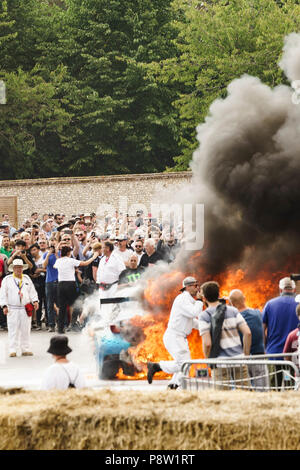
(96, 246)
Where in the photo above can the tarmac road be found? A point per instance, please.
(26, 372)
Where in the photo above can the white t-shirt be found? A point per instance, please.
(59, 376)
(66, 268)
(124, 255)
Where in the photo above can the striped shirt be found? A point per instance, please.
(230, 343)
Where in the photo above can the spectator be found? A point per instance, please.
(6, 246)
(6, 229)
(34, 217)
(109, 270)
(279, 319)
(82, 240)
(67, 289)
(139, 218)
(151, 256)
(122, 251)
(38, 279)
(26, 237)
(51, 284)
(20, 253)
(292, 341)
(48, 228)
(97, 248)
(43, 244)
(58, 219)
(3, 322)
(139, 249)
(229, 343)
(63, 374)
(254, 321)
(169, 247)
(133, 273)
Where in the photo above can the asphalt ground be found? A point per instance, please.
(27, 372)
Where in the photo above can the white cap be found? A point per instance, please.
(287, 283)
(188, 281)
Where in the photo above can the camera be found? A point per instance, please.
(295, 277)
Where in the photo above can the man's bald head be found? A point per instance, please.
(237, 299)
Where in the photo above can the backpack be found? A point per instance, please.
(71, 384)
(217, 319)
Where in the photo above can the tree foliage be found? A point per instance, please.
(220, 41)
(114, 86)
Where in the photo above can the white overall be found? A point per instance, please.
(184, 312)
(18, 322)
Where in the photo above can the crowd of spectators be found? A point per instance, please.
(63, 256)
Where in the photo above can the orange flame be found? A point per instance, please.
(159, 296)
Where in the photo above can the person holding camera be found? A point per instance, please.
(51, 284)
(21, 253)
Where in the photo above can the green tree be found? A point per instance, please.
(31, 122)
(220, 41)
(123, 119)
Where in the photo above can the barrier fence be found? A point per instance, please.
(257, 373)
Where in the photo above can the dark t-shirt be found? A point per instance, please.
(254, 321)
(131, 275)
(146, 260)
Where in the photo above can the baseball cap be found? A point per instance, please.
(188, 281)
(287, 283)
(121, 238)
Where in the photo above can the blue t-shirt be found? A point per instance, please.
(51, 273)
(279, 315)
(254, 321)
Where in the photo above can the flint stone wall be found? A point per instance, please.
(76, 195)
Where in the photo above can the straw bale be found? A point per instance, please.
(126, 420)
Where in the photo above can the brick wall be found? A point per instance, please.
(85, 194)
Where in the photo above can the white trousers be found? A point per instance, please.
(178, 347)
(19, 326)
(106, 310)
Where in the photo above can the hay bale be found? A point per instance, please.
(127, 420)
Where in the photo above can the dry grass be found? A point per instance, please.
(125, 420)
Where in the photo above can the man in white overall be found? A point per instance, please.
(109, 270)
(185, 310)
(17, 290)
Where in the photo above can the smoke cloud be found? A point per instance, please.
(246, 171)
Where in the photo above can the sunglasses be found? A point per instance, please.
(139, 246)
(66, 240)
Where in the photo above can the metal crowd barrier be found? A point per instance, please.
(260, 373)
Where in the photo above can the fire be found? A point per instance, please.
(159, 296)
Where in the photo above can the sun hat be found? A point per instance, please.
(17, 262)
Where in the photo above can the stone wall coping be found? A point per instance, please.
(94, 179)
